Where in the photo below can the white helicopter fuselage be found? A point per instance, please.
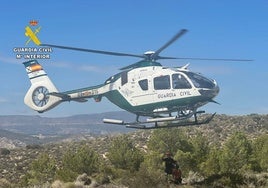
(152, 90)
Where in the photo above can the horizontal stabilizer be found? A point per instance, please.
(63, 96)
(80, 100)
(66, 97)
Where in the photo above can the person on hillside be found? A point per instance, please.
(172, 168)
(169, 163)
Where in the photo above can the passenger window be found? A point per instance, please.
(162, 82)
(180, 82)
(143, 84)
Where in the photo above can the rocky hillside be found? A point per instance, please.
(14, 163)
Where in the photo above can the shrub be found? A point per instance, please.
(5, 184)
(124, 155)
(83, 160)
(4, 151)
(235, 155)
(33, 146)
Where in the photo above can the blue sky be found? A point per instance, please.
(217, 29)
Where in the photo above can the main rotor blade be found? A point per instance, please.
(92, 51)
(202, 59)
(212, 59)
(161, 57)
(173, 39)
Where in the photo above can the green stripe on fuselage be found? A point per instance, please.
(116, 98)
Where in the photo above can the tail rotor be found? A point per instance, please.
(40, 96)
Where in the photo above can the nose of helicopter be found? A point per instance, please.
(210, 92)
(215, 91)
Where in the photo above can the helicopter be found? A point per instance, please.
(170, 97)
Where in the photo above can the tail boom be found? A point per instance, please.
(43, 95)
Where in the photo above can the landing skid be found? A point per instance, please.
(171, 122)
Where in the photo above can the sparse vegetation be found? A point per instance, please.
(231, 151)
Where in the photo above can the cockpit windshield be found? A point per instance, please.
(200, 81)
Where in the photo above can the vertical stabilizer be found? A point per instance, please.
(38, 96)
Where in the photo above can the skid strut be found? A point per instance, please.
(171, 121)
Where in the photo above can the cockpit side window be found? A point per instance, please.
(144, 84)
(200, 81)
(180, 82)
(162, 82)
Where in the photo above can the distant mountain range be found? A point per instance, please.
(19, 130)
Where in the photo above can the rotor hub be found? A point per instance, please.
(149, 55)
(40, 96)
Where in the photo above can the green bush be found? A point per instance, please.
(260, 153)
(170, 140)
(124, 155)
(83, 160)
(235, 156)
(42, 170)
